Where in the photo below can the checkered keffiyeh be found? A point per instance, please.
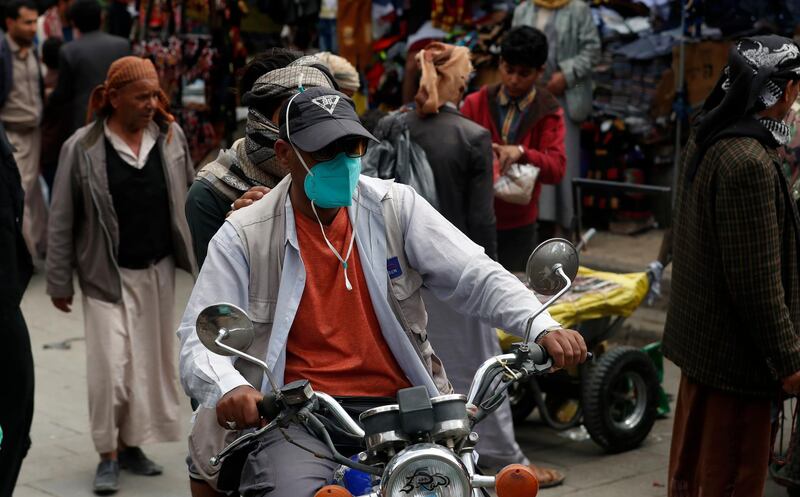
(755, 79)
(260, 133)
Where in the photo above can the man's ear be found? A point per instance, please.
(113, 97)
(284, 152)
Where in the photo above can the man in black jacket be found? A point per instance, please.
(16, 360)
(83, 63)
(459, 152)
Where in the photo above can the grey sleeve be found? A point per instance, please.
(60, 226)
(188, 162)
(582, 64)
(481, 223)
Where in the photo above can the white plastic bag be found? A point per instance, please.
(516, 185)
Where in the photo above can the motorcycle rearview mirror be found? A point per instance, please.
(544, 263)
(225, 324)
(226, 329)
(551, 268)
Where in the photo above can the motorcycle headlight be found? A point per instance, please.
(425, 470)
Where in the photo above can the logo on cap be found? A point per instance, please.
(327, 102)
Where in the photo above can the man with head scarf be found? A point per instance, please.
(117, 218)
(249, 166)
(733, 324)
(343, 72)
(460, 154)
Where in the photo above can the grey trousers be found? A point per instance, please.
(34, 219)
(555, 201)
(277, 468)
(463, 344)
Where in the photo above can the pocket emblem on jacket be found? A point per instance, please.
(393, 268)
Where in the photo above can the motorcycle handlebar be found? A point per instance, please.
(268, 406)
(539, 355)
(344, 419)
(535, 354)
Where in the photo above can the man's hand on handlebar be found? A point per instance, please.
(239, 406)
(566, 347)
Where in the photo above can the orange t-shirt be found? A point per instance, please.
(335, 340)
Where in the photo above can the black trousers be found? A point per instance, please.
(16, 395)
(514, 246)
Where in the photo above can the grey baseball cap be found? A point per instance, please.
(319, 117)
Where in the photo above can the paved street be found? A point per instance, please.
(62, 460)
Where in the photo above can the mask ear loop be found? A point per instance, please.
(344, 260)
(289, 135)
(336, 252)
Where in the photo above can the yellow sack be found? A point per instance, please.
(594, 294)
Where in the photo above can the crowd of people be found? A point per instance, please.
(360, 284)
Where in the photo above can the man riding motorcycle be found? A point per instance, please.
(329, 267)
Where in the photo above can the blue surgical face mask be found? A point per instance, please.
(332, 183)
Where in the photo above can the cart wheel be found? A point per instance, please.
(620, 399)
(522, 400)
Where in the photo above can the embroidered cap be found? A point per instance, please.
(320, 116)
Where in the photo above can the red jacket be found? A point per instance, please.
(541, 134)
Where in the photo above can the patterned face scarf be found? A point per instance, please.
(780, 131)
(758, 70)
(257, 156)
(258, 159)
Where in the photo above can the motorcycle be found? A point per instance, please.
(420, 446)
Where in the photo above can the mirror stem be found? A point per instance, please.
(263, 365)
(559, 270)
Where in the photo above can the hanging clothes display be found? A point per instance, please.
(192, 44)
(354, 30)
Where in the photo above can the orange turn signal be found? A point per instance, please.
(333, 491)
(516, 480)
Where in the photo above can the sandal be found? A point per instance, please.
(548, 477)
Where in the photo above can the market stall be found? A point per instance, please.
(196, 47)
